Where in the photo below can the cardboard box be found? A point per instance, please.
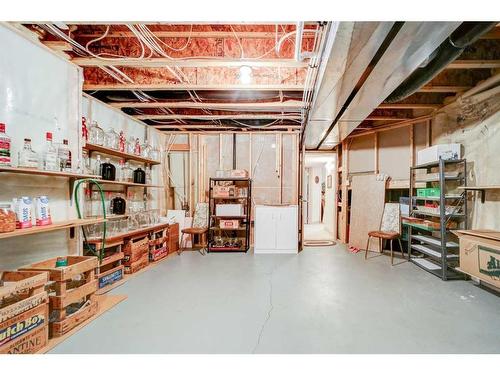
(229, 224)
(229, 210)
(224, 191)
(240, 173)
(480, 257)
(450, 151)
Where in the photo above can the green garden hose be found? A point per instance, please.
(99, 254)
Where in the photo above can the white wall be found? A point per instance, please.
(39, 92)
(314, 199)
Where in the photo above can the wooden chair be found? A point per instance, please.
(199, 228)
(390, 229)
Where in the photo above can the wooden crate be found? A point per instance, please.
(111, 269)
(111, 276)
(137, 265)
(158, 252)
(76, 266)
(158, 237)
(26, 332)
(135, 248)
(66, 290)
(173, 238)
(21, 291)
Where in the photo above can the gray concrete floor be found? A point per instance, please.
(324, 300)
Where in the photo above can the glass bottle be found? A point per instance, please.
(86, 163)
(5, 143)
(96, 134)
(148, 175)
(97, 166)
(121, 165)
(111, 139)
(146, 149)
(50, 155)
(108, 170)
(64, 156)
(85, 131)
(155, 154)
(122, 143)
(118, 205)
(27, 157)
(130, 145)
(96, 204)
(139, 176)
(137, 147)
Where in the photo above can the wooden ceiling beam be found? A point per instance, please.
(436, 88)
(218, 117)
(163, 62)
(271, 106)
(184, 87)
(409, 106)
(218, 127)
(198, 34)
(474, 64)
(492, 34)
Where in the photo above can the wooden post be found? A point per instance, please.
(412, 145)
(345, 191)
(376, 162)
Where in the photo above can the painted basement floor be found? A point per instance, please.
(323, 300)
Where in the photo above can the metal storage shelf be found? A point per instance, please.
(435, 256)
(213, 227)
(436, 164)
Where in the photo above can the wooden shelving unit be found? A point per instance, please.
(48, 228)
(38, 172)
(243, 230)
(123, 155)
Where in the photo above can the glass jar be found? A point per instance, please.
(146, 149)
(122, 142)
(139, 176)
(127, 173)
(96, 134)
(137, 147)
(7, 218)
(112, 139)
(118, 205)
(108, 170)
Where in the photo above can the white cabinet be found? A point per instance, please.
(276, 230)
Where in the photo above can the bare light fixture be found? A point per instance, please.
(245, 75)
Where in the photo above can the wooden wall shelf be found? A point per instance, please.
(121, 236)
(38, 172)
(124, 155)
(48, 228)
(103, 182)
(481, 189)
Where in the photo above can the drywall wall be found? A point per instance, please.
(329, 215)
(39, 92)
(475, 124)
(362, 154)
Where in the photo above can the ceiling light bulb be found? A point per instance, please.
(245, 74)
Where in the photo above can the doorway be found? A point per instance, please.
(318, 205)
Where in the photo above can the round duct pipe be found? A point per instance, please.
(466, 34)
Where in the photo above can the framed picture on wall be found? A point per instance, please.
(329, 181)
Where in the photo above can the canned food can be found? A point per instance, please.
(42, 211)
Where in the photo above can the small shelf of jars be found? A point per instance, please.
(119, 154)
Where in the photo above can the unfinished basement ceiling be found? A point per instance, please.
(179, 77)
(329, 80)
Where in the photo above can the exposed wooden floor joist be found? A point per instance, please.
(271, 106)
(199, 34)
(437, 88)
(184, 87)
(218, 117)
(409, 106)
(162, 62)
(474, 64)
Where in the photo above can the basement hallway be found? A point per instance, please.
(324, 300)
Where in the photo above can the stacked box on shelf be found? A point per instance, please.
(71, 293)
(136, 253)
(158, 245)
(110, 269)
(24, 312)
(173, 238)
